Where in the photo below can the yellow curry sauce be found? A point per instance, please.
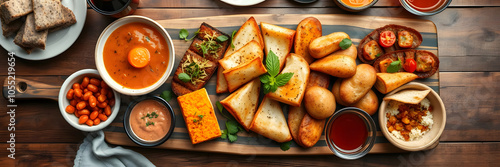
(150, 120)
(122, 41)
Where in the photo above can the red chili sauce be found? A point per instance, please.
(348, 131)
(425, 5)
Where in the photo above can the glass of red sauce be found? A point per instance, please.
(425, 7)
(350, 133)
(149, 121)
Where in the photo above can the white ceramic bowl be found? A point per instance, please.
(432, 136)
(64, 102)
(102, 41)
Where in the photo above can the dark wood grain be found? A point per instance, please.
(446, 154)
(291, 3)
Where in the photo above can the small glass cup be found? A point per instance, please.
(114, 8)
(365, 147)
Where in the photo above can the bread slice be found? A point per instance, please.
(14, 9)
(269, 121)
(244, 73)
(293, 92)
(242, 104)
(248, 31)
(18, 40)
(208, 68)
(30, 37)
(277, 39)
(409, 96)
(221, 86)
(69, 19)
(48, 14)
(247, 53)
(387, 82)
(207, 33)
(12, 27)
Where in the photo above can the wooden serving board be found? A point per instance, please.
(250, 143)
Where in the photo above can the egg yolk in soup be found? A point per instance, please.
(136, 55)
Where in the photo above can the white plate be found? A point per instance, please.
(57, 42)
(242, 2)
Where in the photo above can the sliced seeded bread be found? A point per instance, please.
(12, 27)
(48, 14)
(31, 37)
(69, 19)
(18, 40)
(14, 9)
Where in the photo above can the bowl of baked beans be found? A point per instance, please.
(86, 102)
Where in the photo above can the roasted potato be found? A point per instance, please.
(310, 130)
(307, 30)
(368, 103)
(295, 116)
(336, 92)
(351, 51)
(354, 88)
(322, 46)
(341, 66)
(319, 102)
(318, 79)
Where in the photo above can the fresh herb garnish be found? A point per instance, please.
(183, 34)
(378, 55)
(286, 145)
(232, 38)
(345, 43)
(167, 95)
(232, 127)
(150, 116)
(272, 80)
(193, 70)
(211, 44)
(222, 38)
(200, 118)
(394, 66)
(149, 123)
(147, 38)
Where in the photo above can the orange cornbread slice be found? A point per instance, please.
(199, 116)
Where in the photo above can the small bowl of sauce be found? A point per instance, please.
(149, 121)
(355, 5)
(425, 7)
(350, 133)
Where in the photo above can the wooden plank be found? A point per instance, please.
(290, 3)
(462, 47)
(446, 154)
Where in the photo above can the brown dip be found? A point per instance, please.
(150, 127)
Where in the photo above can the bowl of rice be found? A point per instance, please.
(416, 123)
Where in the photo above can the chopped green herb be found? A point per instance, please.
(211, 44)
(232, 38)
(232, 137)
(378, 55)
(345, 43)
(224, 134)
(272, 80)
(198, 120)
(147, 38)
(149, 123)
(286, 145)
(221, 109)
(232, 126)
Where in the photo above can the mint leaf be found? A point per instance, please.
(345, 43)
(266, 78)
(394, 66)
(184, 77)
(272, 64)
(267, 88)
(378, 55)
(222, 38)
(167, 95)
(232, 137)
(282, 79)
(232, 127)
(232, 38)
(183, 34)
(223, 134)
(286, 145)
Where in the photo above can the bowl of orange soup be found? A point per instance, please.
(134, 55)
(149, 121)
(355, 5)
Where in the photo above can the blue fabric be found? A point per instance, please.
(94, 152)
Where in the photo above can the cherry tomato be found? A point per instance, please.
(410, 65)
(387, 39)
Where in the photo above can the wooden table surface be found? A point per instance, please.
(469, 47)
